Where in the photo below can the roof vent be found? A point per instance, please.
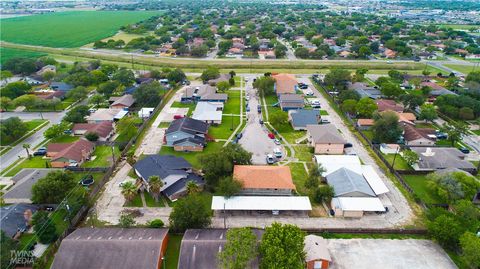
(428, 152)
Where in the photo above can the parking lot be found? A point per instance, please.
(387, 253)
(255, 135)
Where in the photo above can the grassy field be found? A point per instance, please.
(9, 53)
(303, 153)
(193, 157)
(299, 176)
(103, 157)
(232, 106)
(461, 68)
(419, 185)
(400, 163)
(223, 131)
(68, 29)
(459, 26)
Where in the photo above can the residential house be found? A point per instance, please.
(325, 139)
(300, 118)
(389, 148)
(200, 248)
(291, 101)
(112, 248)
(222, 77)
(235, 51)
(49, 94)
(209, 112)
(61, 86)
(175, 173)
(386, 104)
(441, 158)
(16, 218)
(285, 84)
(106, 114)
(204, 93)
(186, 134)
(406, 117)
(317, 255)
(418, 136)
(122, 102)
(437, 90)
(104, 129)
(145, 112)
(47, 68)
(267, 54)
(365, 91)
(390, 54)
(356, 186)
(69, 154)
(261, 180)
(365, 124)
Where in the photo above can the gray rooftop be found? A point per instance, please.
(200, 247)
(303, 117)
(111, 248)
(325, 134)
(21, 192)
(287, 98)
(12, 217)
(437, 158)
(347, 183)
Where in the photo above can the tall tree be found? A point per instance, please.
(53, 188)
(27, 147)
(155, 184)
(386, 128)
(282, 247)
(470, 245)
(192, 187)
(223, 86)
(365, 107)
(148, 94)
(129, 190)
(428, 112)
(455, 131)
(240, 249)
(191, 212)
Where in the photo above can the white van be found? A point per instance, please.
(277, 152)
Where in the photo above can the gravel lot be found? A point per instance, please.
(385, 254)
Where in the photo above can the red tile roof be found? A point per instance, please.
(412, 133)
(385, 104)
(102, 129)
(285, 83)
(264, 177)
(72, 151)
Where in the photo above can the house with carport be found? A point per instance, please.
(325, 139)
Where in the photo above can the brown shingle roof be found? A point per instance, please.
(412, 133)
(285, 83)
(385, 104)
(73, 151)
(103, 129)
(264, 177)
(365, 122)
(126, 100)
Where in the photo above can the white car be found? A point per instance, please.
(277, 152)
(247, 97)
(308, 92)
(276, 141)
(270, 159)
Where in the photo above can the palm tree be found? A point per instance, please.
(129, 190)
(192, 187)
(26, 147)
(155, 184)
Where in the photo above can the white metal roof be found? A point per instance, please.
(208, 111)
(375, 182)
(261, 203)
(332, 163)
(358, 204)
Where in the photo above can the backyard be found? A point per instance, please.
(193, 157)
(224, 130)
(299, 176)
(102, 157)
(420, 187)
(232, 106)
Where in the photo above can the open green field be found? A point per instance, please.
(461, 68)
(459, 26)
(68, 29)
(9, 53)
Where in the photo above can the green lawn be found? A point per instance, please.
(323, 113)
(419, 185)
(32, 124)
(477, 132)
(193, 157)
(136, 202)
(299, 176)
(103, 157)
(173, 251)
(303, 153)
(9, 53)
(164, 124)
(34, 162)
(459, 26)
(184, 105)
(25, 240)
(72, 29)
(400, 163)
(150, 201)
(223, 131)
(65, 139)
(232, 106)
(461, 68)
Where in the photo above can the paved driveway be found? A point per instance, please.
(255, 136)
(386, 254)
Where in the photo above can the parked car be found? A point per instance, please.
(40, 152)
(92, 110)
(270, 159)
(176, 117)
(308, 92)
(271, 136)
(315, 104)
(248, 109)
(464, 150)
(239, 135)
(260, 121)
(277, 152)
(348, 145)
(276, 141)
(441, 135)
(259, 108)
(247, 97)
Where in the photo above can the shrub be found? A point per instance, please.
(91, 136)
(156, 223)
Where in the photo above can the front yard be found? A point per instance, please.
(33, 162)
(303, 153)
(232, 106)
(65, 139)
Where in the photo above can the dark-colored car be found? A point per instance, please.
(464, 150)
(68, 132)
(239, 135)
(40, 152)
(348, 145)
(259, 108)
(260, 121)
